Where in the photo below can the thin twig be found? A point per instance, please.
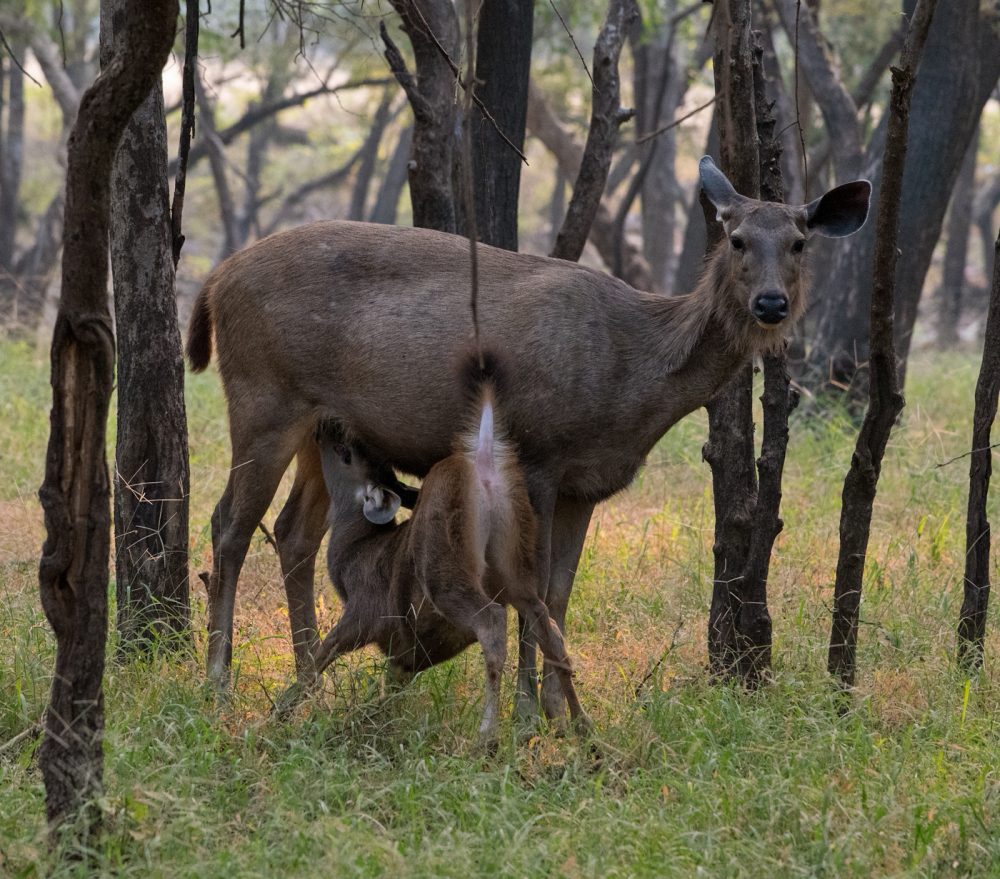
(798, 117)
(470, 203)
(966, 455)
(21, 736)
(239, 31)
(675, 123)
(569, 34)
(187, 127)
(268, 536)
(14, 58)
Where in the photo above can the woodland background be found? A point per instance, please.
(299, 117)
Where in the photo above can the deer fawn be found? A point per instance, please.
(425, 589)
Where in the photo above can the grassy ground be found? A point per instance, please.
(692, 779)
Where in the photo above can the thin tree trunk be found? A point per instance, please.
(217, 162)
(503, 59)
(387, 201)
(151, 484)
(369, 158)
(885, 401)
(958, 73)
(695, 248)
(972, 620)
(569, 154)
(957, 248)
(73, 571)
(432, 26)
(730, 447)
(606, 115)
(753, 624)
(11, 161)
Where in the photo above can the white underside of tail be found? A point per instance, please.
(489, 455)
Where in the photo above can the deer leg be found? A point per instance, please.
(470, 608)
(253, 480)
(557, 660)
(347, 635)
(569, 531)
(526, 695)
(299, 531)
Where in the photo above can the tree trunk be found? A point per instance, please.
(605, 118)
(432, 26)
(695, 248)
(957, 248)
(660, 82)
(73, 571)
(151, 485)
(369, 158)
(602, 234)
(753, 624)
(972, 620)
(730, 447)
(503, 59)
(885, 401)
(217, 162)
(958, 72)
(387, 201)
(11, 161)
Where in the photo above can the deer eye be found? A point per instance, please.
(738, 243)
(799, 245)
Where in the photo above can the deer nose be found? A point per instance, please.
(771, 307)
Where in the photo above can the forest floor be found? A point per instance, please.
(687, 777)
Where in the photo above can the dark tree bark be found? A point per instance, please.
(958, 72)
(432, 26)
(972, 619)
(957, 248)
(885, 401)
(369, 158)
(730, 447)
(151, 485)
(73, 571)
(387, 201)
(569, 154)
(191, 29)
(753, 624)
(606, 115)
(503, 60)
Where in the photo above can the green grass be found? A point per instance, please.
(686, 778)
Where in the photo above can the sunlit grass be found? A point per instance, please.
(687, 778)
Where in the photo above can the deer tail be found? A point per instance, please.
(199, 340)
(484, 442)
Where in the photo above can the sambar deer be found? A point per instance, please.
(425, 589)
(362, 323)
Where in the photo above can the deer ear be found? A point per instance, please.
(380, 505)
(841, 212)
(717, 187)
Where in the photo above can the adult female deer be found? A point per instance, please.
(362, 323)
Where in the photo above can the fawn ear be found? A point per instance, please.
(380, 505)
(841, 211)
